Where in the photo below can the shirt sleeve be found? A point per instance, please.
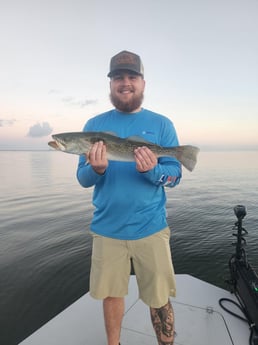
(168, 171)
(86, 176)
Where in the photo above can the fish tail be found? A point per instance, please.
(187, 155)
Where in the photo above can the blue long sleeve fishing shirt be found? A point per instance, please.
(128, 204)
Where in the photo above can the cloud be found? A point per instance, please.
(87, 102)
(80, 103)
(4, 122)
(68, 99)
(54, 92)
(40, 130)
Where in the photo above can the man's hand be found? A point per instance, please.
(145, 159)
(97, 157)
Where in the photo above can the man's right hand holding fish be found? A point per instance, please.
(97, 157)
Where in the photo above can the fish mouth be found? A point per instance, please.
(57, 144)
(54, 145)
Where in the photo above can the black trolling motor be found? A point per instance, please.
(243, 279)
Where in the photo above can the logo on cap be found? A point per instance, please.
(125, 58)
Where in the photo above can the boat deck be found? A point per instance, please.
(199, 319)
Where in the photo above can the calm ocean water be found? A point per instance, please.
(45, 215)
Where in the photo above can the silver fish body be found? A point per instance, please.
(119, 149)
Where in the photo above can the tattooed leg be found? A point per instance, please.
(163, 324)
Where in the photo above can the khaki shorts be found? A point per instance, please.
(151, 257)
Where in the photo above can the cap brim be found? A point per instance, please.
(118, 71)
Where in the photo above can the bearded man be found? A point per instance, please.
(129, 222)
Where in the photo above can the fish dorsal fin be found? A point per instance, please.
(139, 139)
(110, 133)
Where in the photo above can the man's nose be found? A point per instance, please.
(126, 80)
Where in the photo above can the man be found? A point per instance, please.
(129, 221)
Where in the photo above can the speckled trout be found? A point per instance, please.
(119, 149)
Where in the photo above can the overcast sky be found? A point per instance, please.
(200, 59)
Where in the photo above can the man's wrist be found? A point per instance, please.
(100, 171)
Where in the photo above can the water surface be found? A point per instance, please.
(45, 247)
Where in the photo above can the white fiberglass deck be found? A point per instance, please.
(199, 320)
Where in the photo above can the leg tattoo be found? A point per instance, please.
(163, 324)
